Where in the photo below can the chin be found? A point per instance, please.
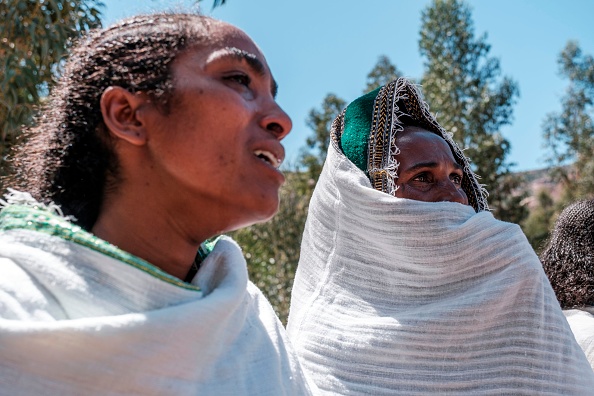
(267, 205)
(269, 212)
(256, 215)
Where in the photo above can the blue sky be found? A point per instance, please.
(316, 47)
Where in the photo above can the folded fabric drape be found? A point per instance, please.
(394, 296)
(79, 316)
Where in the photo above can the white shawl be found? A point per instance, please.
(581, 322)
(75, 321)
(394, 296)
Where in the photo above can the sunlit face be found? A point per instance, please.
(427, 170)
(219, 146)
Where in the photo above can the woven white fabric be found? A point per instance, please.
(394, 296)
(581, 322)
(74, 321)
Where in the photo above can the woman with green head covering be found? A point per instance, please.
(368, 130)
(407, 284)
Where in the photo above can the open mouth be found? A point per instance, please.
(268, 157)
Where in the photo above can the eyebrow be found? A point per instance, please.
(254, 63)
(430, 164)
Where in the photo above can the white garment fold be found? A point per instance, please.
(394, 296)
(74, 321)
(581, 322)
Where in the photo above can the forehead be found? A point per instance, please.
(225, 34)
(224, 39)
(419, 142)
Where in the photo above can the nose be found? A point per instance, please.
(449, 192)
(277, 122)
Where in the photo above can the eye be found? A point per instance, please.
(456, 178)
(422, 177)
(240, 78)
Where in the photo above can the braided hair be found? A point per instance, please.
(68, 155)
(568, 257)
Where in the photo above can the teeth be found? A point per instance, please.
(268, 157)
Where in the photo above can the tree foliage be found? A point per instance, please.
(320, 121)
(382, 73)
(464, 87)
(569, 134)
(35, 38)
(540, 220)
(569, 138)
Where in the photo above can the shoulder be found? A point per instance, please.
(22, 298)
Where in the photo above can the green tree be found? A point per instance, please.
(569, 134)
(320, 121)
(382, 73)
(540, 221)
(463, 86)
(35, 37)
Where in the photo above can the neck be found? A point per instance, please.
(161, 237)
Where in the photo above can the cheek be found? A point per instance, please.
(426, 194)
(405, 191)
(222, 167)
(464, 196)
(224, 159)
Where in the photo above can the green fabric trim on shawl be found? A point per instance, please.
(35, 218)
(357, 126)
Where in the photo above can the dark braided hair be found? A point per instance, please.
(68, 155)
(568, 258)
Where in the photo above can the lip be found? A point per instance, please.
(274, 148)
(268, 147)
(269, 158)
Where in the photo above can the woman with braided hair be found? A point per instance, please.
(406, 284)
(568, 261)
(162, 132)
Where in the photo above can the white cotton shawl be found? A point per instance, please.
(74, 321)
(394, 296)
(581, 322)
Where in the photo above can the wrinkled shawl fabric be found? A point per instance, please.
(394, 296)
(75, 321)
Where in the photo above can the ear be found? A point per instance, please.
(120, 110)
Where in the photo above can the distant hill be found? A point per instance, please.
(536, 181)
